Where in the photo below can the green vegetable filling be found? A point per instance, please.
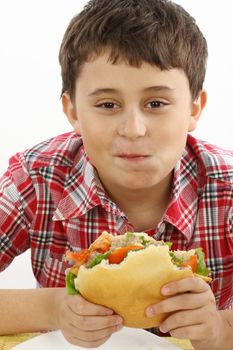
(177, 261)
(70, 277)
(128, 236)
(201, 268)
(97, 260)
(169, 244)
(143, 241)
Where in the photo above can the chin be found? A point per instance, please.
(135, 184)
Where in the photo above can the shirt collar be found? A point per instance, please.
(82, 192)
(183, 207)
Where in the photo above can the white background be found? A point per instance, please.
(30, 83)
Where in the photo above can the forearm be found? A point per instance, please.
(28, 310)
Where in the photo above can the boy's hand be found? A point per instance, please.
(83, 323)
(194, 314)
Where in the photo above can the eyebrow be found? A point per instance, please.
(157, 88)
(103, 91)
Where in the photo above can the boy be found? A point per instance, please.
(132, 75)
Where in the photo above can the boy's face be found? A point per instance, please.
(133, 121)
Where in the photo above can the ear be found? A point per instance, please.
(196, 109)
(70, 112)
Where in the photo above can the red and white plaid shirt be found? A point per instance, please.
(51, 201)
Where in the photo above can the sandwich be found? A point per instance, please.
(126, 273)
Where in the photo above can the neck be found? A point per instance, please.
(143, 207)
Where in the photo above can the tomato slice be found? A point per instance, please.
(78, 257)
(192, 262)
(119, 254)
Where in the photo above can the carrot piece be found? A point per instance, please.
(192, 262)
(78, 257)
(119, 254)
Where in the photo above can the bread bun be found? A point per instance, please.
(129, 287)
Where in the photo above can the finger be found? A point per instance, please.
(192, 284)
(80, 306)
(194, 332)
(183, 319)
(91, 323)
(187, 301)
(91, 336)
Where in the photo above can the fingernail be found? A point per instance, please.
(150, 312)
(163, 330)
(109, 312)
(166, 290)
(119, 320)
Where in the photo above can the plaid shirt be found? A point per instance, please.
(51, 201)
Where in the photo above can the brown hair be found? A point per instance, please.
(158, 32)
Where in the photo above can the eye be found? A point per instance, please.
(108, 105)
(155, 104)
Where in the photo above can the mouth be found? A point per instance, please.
(133, 157)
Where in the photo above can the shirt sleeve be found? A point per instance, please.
(231, 225)
(17, 205)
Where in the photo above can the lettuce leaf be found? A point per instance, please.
(169, 244)
(97, 260)
(143, 241)
(70, 277)
(201, 268)
(129, 235)
(177, 261)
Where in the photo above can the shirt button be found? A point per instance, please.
(162, 227)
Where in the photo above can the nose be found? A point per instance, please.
(132, 125)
